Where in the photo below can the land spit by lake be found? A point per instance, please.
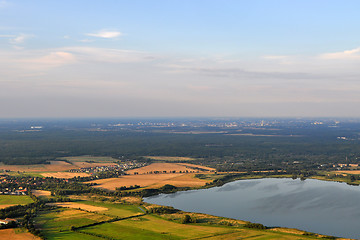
(329, 208)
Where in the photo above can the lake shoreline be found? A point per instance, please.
(259, 177)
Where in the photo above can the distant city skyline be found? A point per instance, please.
(202, 58)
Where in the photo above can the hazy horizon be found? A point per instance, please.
(169, 59)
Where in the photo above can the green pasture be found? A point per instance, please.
(116, 209)
(15, 199)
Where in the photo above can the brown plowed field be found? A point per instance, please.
(13, 235)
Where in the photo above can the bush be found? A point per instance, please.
(255, 225)
(188, 219)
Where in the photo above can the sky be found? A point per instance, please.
(179, 58)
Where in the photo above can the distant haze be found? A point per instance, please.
(179, 58)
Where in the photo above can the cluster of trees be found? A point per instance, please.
(163, 210)
(127, 188)
(254, 225)
(188, 219)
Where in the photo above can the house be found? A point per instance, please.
(7, 221)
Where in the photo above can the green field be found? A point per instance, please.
(57, 223)
(151, 227)
(14, 199)
(116, 210)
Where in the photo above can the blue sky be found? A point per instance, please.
(179, 58)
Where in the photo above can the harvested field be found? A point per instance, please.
(348, 171)
(161, 167)
(65, 175)
(6, 205)
(41, 193)
(197, 166)
(288, 230)
(88, 165)
(151, 180)
(16, 234)
(59, 166)
(53, 166)
(185, 180)
(78, 205)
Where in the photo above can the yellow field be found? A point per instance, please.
(197, 166)
(78, 205)
(41, 193)
(53, 166)
(151, 181)
(168, 167)
(348, 171)
(16, 234)
(65, 174)
(6, 205)
(59, 169)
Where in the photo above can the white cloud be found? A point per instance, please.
(105, 34)
(86, 40)
(87, 54)
(348, 54)
(20, 39)
(3, 3)
(276, 57)
(49, 60)
(7, 36)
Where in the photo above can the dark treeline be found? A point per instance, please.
(39, 147)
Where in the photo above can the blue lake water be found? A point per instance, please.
(329, 208)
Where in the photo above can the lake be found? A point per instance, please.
(329, 208)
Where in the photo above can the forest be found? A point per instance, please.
(282, 145)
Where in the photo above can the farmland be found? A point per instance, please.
(68, 223)
(156, 175)
(17, 234)
(10, 200)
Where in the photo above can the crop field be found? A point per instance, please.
(56, 224)
(194, 166)
(151, 181)
(41, 193)
(153, 227)
(10, 200)
(65, 175)
(116, 210)
(161, 167)
(81, 206)
(58, 169)
(348, 171)
(52, 167)
(16, 234)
